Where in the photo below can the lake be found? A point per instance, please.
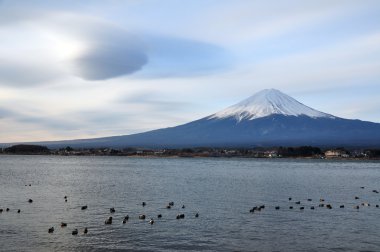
(222, 191)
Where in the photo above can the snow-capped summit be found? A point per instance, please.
(267, 102)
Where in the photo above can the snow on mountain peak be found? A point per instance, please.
(267, 102)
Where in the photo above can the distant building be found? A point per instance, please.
(336, 154)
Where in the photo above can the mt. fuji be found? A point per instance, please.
(268, 118)
(265, 103)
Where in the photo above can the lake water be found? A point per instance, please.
(222, 191)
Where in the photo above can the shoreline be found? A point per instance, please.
(195, 156)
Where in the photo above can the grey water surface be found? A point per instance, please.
(222, 191)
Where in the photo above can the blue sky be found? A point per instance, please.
(79, 69)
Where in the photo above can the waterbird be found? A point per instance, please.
(112, 210)
(328, 206)
(302, 208)
(196, 215)
(125, 219)
(290, 207)
(356, 207)
(75, 232)
(30, 201)
(362, 187)
(290, 199)
(341, 206)
(151, 222)
(375, 191)
(65, 197)
(63, 224)
(108, 221)
(142, 216)
(298, 202)
(7, 209)
(377, 206)
(168, 207)
(366, 204)
(277, 207)
(84, 207)
(51, 230)
(183, 206)
(321, 200)
(143, 204)
(1, 210)
(171, 203)
(309, 199)
(180, 216)
(321, 205)
(85, 231)
(356, 197)
(19, 211)
(159, 216)
(312, 208)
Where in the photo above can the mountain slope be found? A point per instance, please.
(268, 118)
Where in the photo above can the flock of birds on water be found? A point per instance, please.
(109, 220)
(254, 209)
(321, 204)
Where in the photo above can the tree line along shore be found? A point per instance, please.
(257, 152)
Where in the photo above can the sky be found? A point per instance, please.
(83, 69)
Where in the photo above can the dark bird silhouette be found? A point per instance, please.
(108, 221)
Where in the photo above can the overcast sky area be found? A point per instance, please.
(84, 69)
